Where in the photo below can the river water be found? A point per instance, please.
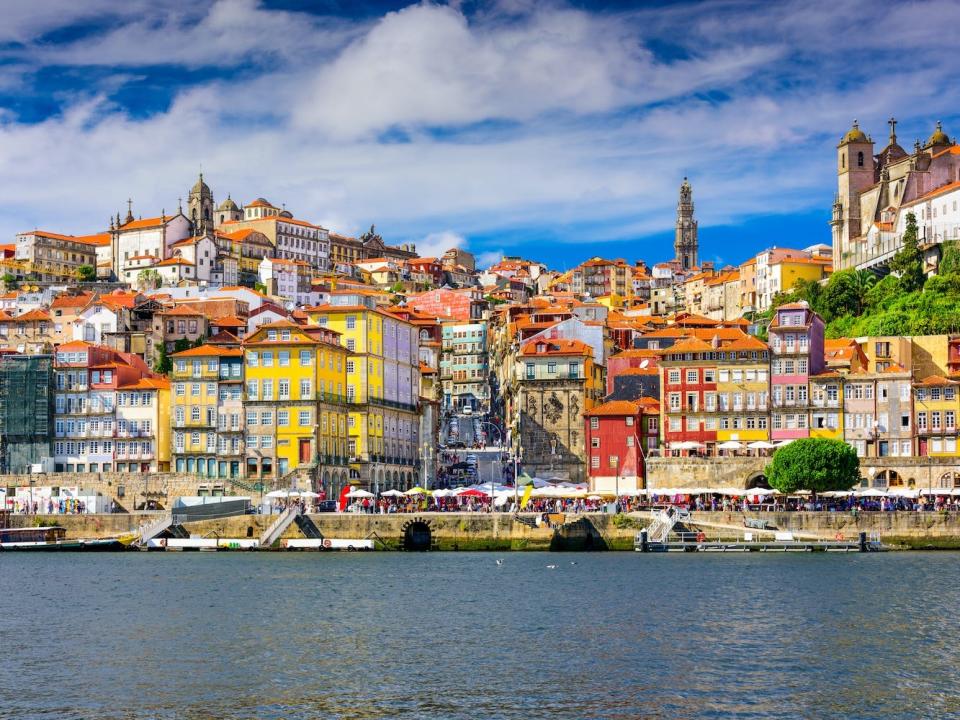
(454, 635)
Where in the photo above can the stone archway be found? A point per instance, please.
(758, 480)
(950, 479)
(887, 478)
(417, 536)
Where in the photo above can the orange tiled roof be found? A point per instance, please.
(181, 310)
(614, 407)
(556, 347)
(209, 351)
(147, 223)
(147, 383)
(33, 316)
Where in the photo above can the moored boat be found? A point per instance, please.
(53, 537)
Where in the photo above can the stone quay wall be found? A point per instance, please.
(483, 531)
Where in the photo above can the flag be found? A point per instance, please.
(526, 496)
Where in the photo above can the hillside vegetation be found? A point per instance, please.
(906, 302)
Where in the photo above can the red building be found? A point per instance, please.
(629, 360)
(426, 269)
(618, 434)
(465, 304)
(686, 417)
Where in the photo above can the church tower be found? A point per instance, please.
(200, 207)
(685, 240)
(856, 171)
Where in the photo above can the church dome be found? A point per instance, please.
(260, 202)
(200, 188)
(854, 134)
(939, 137)
(228, 205)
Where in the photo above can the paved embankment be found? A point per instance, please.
(480, 531)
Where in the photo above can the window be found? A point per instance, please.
(304, 418)
(252, 389)
(266, 417)
(595, 461)
(306, 358)
(284, 389)
(594, 423)
(306, 390)
(629, 421)
(283, 358)
(267, 358)
(673, 377)
(675, 402)
(613, 461)
(691, 376)
(283, 418)
(595, 442)
(551, 367)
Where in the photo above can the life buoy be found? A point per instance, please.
(701, 536)
(327, 543)
(838, 536)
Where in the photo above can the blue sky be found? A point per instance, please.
(554, 130)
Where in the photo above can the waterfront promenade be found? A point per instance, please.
(502, 531)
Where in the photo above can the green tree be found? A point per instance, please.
(149, 279)
(260, 287)
(908, 262)
(162, 364)
(86, 273)
(817, 464)
(841, 295)
(182, 344)
(949, 258)
(9, 281)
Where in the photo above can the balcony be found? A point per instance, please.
(194, 424)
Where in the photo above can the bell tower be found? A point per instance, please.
(856, 171)
(685, 246)
(200, 207)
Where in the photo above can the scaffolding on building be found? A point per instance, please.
(26, 411)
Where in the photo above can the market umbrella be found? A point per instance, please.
(282, 494)
(730, 445)
(392, 493)
(417, 491)
(870, 492)
(358, 493)
(309, 494)
(761, 445)
(472, 492)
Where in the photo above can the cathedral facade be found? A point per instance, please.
(877, 190)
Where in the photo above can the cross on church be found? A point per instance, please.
(892, 122)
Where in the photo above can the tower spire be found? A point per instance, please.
(129, 211)
(892, 122)
(685, 245)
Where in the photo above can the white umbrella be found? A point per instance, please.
(904, 492)
(936, 491)
(730, 445)
(761, 445)
(870, 492)
(282, 494)
(781, 443)
(392, 493)
(309, 494)
(763, 492)
(358, 493)
(837, 493)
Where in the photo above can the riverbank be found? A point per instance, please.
(504, 532)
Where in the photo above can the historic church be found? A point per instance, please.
(877, 190)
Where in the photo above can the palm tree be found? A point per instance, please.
(863, 280)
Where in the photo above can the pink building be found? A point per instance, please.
(796, 351)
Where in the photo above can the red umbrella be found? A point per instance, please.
(473, 492)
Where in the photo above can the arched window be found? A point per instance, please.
(860, 159)
(843, 161)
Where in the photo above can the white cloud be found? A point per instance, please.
(525, 116)
(437, 243)
(491, 257)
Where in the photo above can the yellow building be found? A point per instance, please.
(826, 401)
(743, 390)
(382, 389)
(207, 411)
(296, 417)
(936, 409)
(143, 426)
